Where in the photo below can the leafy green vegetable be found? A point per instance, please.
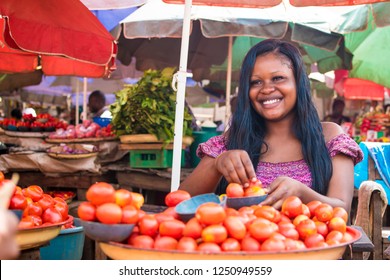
(148, 107)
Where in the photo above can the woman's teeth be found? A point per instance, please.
(272, 101)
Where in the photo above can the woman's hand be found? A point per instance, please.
(9, 248)
(235, 166)
(281, 188)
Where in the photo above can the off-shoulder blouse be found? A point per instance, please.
(267, 172)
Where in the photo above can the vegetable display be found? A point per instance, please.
(148, 107)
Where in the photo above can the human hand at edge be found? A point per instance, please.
(9, 248)
(236, 167)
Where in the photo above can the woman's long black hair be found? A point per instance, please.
(247, 129)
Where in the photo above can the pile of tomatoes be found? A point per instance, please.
(39, 208)
(255, 188)
(109, 206)
(216, 228)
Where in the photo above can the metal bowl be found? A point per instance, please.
(187, 208)
(105, 232)
(119, 251)
(238, 202)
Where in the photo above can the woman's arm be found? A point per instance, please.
(203, 179)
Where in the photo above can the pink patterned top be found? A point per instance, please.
(267, 172)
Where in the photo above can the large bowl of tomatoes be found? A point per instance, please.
(314, 230)
(36, 236)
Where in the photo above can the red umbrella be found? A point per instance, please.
(61, 37)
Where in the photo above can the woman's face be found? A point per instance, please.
(272, 86)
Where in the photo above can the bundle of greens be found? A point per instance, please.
(148, 107)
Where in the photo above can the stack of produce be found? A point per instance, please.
(217, 228)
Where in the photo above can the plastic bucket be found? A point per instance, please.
(68, 245)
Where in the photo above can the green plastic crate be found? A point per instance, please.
(153, 158)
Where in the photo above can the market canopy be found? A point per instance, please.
(61, 37)
(271, 3)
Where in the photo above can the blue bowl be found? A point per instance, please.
(68, 245)
(238, 202)
(18, 213)
(187, 208)
(103, 122)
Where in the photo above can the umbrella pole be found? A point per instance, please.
(229, 80)
(85, 98)
(180, 97)
(77, 102)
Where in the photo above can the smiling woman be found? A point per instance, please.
(277, 137)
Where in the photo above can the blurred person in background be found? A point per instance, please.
(337, 113)
(97, 105)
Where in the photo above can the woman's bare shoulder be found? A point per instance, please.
(331, 130)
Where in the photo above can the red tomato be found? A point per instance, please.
(37, 220)
(291, 244)
(290, 233)
(214, 233)
(64, 209)
(273, 244)
(340, 212)
(34, 192)
(170, 211)
(163, 217)
(299, 219)
(18, 201)
(292, 206)
(123, 197)
(234, 190)
(100, 193)
(231, 245)
(130, 215)
(306, 210)
(305, 228)
(137, 200)
(51, 215)
(268, 212)
(333, 236)
(323, 212)
(148, 225)
(175, 197)
(322, 228)
(59, 200)
(46, 201)
(261, 229)
(109, 213)
(187, 244)
(337, 223)
(193, 229)
(235, 227)
(2, 176)
(143, 241)
(210, 213)
(312, 206)
(209, 247)
(254, 191)
(33, 209)
(26, 222)
(165, 243)
(314, 240)
(86, 211)
(173, 228)
(250, 244)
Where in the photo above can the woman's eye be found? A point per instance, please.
(277, 78)
(255, 83)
